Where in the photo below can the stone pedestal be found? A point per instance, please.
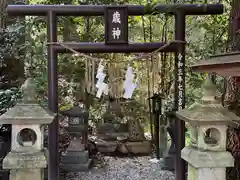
(76, 157)
(25, 166)
(204, 165)
(76, 161)
(168, 161)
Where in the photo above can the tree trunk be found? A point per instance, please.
(232, 95)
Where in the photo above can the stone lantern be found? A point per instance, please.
(77, 157)
(27, 158)
(207, 156)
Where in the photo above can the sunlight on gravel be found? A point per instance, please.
(139, 168)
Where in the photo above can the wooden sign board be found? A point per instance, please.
(116, 25)
(180, 81)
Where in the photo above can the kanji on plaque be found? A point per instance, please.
(180, 81)
(116, 25)
(116, 33)
(116, 17)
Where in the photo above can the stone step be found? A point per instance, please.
(113, 135)
(106, 146)
(76, 167)
(141, 147)
(76, 157)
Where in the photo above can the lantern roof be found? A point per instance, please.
(227, 64)
(208, 110)
(27, 110)
(76, 111)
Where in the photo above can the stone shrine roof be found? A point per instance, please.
(75, 111)
(223, 64)
(27, 111)
(208, 110)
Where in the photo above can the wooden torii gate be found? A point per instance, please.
(179, 11)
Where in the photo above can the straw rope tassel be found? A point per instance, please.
(86, 75)
(93, 77)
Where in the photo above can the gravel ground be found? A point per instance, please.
(139, 168)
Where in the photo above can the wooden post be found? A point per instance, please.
(3, 6)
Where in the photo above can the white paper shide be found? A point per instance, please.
(101, 86)
(129, 86)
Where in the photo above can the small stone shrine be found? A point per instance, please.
(122, 137)
(207, 156)
(27, 158)
(76, 157)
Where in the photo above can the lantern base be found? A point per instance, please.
(168, 163)
(23, 174)
(76, 157)
(76, 167)
(76, 161)
(199, 158)
(27, 160)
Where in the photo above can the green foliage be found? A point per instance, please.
(8, 98)
(9, 49)
(9, 42)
